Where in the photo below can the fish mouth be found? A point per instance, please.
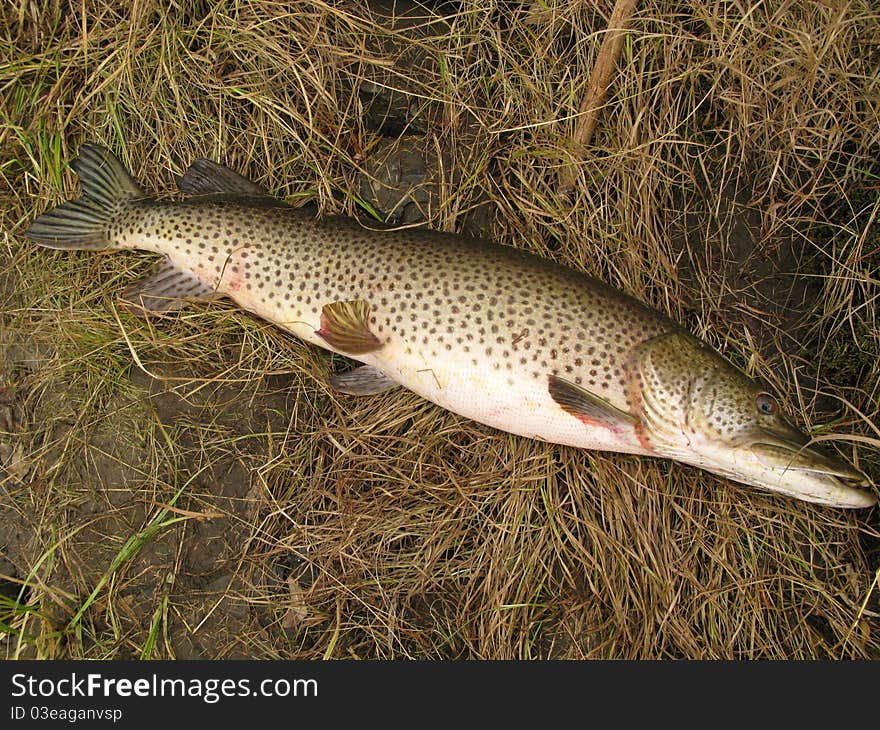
(815, 475)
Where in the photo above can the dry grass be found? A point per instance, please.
(234, 506)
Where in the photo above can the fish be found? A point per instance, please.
(491, 332)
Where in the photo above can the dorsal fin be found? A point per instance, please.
(204, 177)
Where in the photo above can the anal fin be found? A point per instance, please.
(588, 407)
(345, 326)
(165, 289)
(365, 380)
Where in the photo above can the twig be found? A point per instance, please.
(600, 79)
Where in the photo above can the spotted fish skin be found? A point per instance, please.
(474, 327)
(490, 332)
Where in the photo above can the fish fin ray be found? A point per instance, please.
(588, 407)
(166, 288)
(345, 326)
(205, 177)
(365, 380)
(85, 223)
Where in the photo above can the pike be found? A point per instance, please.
(490, 332)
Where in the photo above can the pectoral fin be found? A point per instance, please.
(165, 289)
(365, 380)
(588, 407)
(345, 326)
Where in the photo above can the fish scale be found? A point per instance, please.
(490, 332)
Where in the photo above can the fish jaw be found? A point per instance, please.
(824, 489)
(824, 480)
(782, 461)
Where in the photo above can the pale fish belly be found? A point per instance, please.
(524, 408)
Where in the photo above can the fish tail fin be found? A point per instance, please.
(85, 223)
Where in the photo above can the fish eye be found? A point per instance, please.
(766, 404)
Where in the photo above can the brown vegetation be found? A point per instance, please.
(192, 487)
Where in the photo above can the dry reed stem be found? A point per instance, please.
(600, 79)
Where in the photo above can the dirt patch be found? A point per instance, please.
(189, 515)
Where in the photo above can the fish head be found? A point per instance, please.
(721, 420)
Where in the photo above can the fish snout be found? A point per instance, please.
(814, 474)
